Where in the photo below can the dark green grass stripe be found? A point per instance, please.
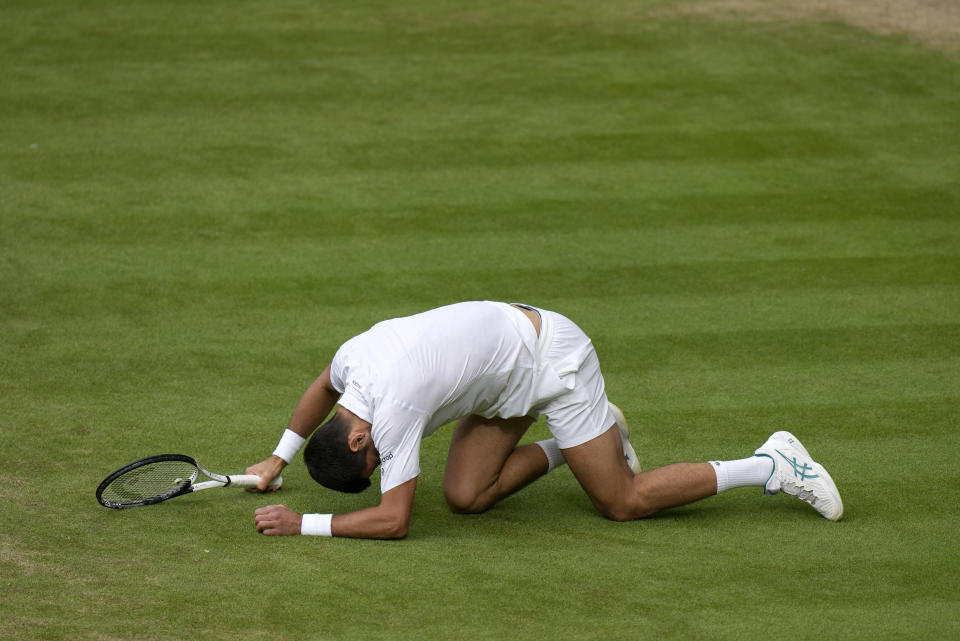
(796, 346)
(713, 278)
(911, 379)
(609, 320)
(125, 283)
(362, 149)
(835, 419)
(655, 146)
(654, 212)
(210, 211)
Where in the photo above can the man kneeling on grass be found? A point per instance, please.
(496, 367)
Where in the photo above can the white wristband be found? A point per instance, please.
(290, 443)
(316, 524)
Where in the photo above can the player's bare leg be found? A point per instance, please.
(485, 465)
(620, 495)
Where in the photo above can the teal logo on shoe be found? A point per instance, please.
(800, 471)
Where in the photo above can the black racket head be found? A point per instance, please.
(147, 481)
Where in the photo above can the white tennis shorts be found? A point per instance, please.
(570, 390)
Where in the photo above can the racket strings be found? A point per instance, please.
(148, 481)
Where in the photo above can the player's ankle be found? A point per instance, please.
(748, 472)
(552, 451)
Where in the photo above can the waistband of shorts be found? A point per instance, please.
(528, 307)
(546, 331)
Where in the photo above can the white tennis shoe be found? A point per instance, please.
(795, 473)
(628, 453)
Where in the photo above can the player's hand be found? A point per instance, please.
(277, 520)
(267, 469)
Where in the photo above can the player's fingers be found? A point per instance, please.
(261, 517)
(269, 526)
(265, 525)
(270, 520)
(268, 511)
(264, 484)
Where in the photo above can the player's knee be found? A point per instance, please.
(625, 509)
(617, 512)
(462, 501)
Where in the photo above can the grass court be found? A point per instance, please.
(756, 218)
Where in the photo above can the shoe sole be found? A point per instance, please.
(629, 454)
(818, 468)
(838, 502)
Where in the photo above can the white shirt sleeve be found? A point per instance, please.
(397, 435)
(336, 371)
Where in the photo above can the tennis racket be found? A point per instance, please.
(160, 478)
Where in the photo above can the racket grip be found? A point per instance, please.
(251, 480)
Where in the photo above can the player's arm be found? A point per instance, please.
(314, 406)
(389, 520)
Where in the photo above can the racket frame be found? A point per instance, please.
(188, 486)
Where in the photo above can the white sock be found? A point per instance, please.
(747, 472)
(554, 455)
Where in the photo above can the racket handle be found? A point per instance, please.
(251, 480)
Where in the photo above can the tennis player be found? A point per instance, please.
(494, 368)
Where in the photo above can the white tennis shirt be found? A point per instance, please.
(409, 376)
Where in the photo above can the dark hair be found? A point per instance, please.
(330, 460)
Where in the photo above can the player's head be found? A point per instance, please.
(335, 459)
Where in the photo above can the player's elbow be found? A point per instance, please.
(394, 525)
(396, 529)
